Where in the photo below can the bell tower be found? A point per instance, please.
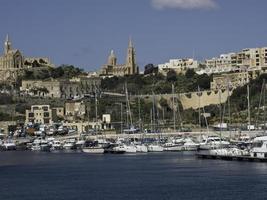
(112, 60)
(130, 59)
(7, 47)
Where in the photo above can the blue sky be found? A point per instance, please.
(82, 32)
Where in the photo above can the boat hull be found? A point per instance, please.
(93, 150)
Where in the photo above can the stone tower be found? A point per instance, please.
(132, 68)
(7, 47)
(112, 60)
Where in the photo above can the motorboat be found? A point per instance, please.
(213, 142)
(259, 147)
(9, 145)
(40, 145)
(190, 145)
(154, 148)
(80, 144)
(44, 145)
(170, 146)
(35, 146)
(141, 148)
(56, 145)
(69, 145)
(128, 148)
(115, 149)
(229, 152)
(93, 150)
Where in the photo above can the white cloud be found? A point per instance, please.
(184, 4)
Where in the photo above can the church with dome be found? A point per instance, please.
(113, 69)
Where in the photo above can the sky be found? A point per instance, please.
(83, 32)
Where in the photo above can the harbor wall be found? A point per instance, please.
(194, 100)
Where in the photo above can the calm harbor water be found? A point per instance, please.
(67, 176)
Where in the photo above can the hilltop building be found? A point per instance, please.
(251, 58)
(13, 63)
(113, 69)
(178, 65)
(60, 88)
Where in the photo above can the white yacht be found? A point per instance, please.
(259, 148)
(154, 148)
(44, 145)
(170, 146)
(93, 150)
(40, 145)
(129, 148)
(213, 142)
(9, 145)
(80, 144)
(56, 145)
(69, 145)
(141, 148)
(118, 148)
(229, 152)
(190, 145)
(36, 145)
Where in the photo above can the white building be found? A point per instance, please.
(178, 65)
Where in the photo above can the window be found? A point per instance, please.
(46, 114)
(45, 108)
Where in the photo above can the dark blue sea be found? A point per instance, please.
(157, 176)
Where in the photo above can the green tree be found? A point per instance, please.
(171, 76)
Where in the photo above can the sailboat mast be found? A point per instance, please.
(153, 113)
(220, 90)
(128, 107)
(248, 107)
(96, 111)
(264, 117)
(139, 113)
(173, 108)
(121, 119)
(199, 112)
(229, 108)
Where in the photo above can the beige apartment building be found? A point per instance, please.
(41, 114)
(250, 57)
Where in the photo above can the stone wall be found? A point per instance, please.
(194, 99)
(205, 98)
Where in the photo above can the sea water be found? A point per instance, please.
(155, 176)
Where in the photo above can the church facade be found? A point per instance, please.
(113, 69)
(13, 63)
(12, 58)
